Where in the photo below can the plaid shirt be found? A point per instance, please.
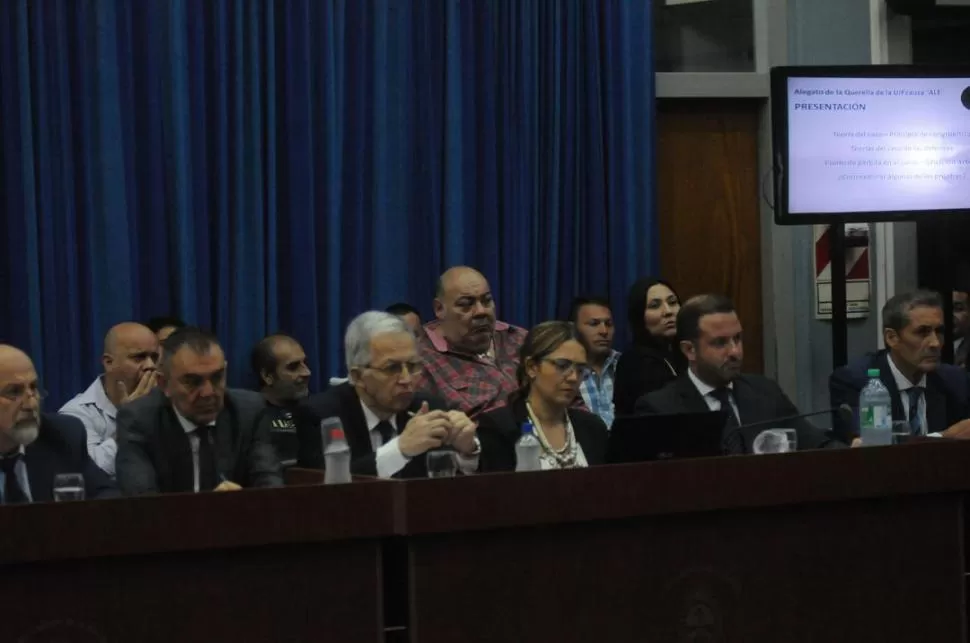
(470, 383)
(597, 390)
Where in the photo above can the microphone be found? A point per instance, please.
(844, 411)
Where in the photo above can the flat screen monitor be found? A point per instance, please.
(870, 143)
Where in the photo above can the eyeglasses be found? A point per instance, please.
(18, 392)
(396, 369)
(565, 366)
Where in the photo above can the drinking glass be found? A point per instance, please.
(68, 486)
(776, 441)
(441, 463)
(901, 432)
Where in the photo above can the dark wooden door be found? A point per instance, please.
(708, 208)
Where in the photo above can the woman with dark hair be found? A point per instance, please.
(654, 359)
(552, 364)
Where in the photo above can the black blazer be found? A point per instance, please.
(61, 447)
(758, 398)
(499, 430)
(641, 370)
(155, 455)
(946, 393)
(342, 401)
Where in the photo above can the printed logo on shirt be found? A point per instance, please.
(284, 423)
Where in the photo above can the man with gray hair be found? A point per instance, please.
(932, 398)
(36, 446)
(388, 427)
(193, 433)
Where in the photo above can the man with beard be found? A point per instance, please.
(469, 359)
(284, 378)
(129, 361)
(193, 434)
(388, 427)
(710, 338)
(594, 321)
(932, 398)
(35, 446)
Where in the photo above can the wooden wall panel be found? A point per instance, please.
(708, 206)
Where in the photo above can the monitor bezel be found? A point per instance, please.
(779, 139)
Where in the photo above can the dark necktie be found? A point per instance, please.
(12, 493)
(915, 426)
(732, 436)
(208, 478)
(386, 430)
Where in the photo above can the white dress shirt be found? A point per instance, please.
(98, 415)
(903, 384)
(706, 391)
(19, 470)
(190, 428)
(388, 457)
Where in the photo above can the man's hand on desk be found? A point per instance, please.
(959, 431)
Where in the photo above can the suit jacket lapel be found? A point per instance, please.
(754, 408)
(751, 406)
(594, 446)
(886, 375)
(175, 470)
(936, 412)
(225, 444)
(358, 437)
(38, 458)
(691, 398)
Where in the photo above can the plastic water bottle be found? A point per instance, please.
(336, 453)
(875, 412)
(527, 450)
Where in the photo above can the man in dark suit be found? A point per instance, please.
(931, 397)
(192, 434)
(389, 429)
(35, 446)
(710, 337)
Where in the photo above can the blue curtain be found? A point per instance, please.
(262, 166)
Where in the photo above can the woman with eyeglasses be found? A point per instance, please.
(552, 364)
(654, 359)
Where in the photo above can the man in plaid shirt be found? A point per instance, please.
(594, 321)
(470, 359)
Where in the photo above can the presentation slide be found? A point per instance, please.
(878, 144)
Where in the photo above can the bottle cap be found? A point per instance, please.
(528, 428)
(873, 372)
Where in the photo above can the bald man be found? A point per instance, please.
(469, 357)
(129, 360)
(34, 446)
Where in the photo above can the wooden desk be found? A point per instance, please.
(853, 545)
(267, 566)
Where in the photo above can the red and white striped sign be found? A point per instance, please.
(856, 258)
(856, 266)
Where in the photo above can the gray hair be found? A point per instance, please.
(895, 313)
(198, 340)
(363, 329)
